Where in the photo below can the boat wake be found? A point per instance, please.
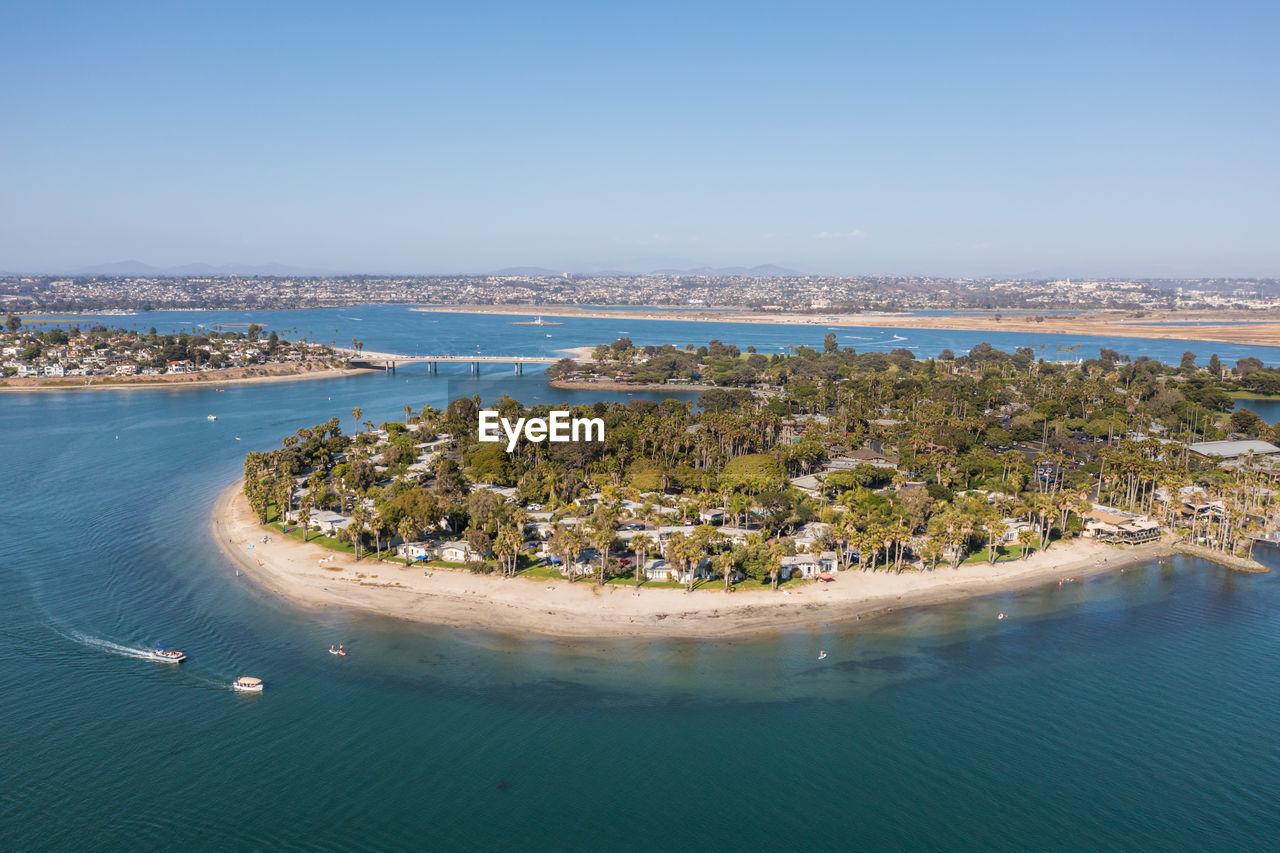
(107, 646)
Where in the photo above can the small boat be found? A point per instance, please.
(247, 684)
(168, 655)
(213, 417)
(237, 438)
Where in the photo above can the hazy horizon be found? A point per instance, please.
(986, 140)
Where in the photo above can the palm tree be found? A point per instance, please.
(726, 566)
(355, 415)
(775, 564)
(642, 546)
(1025, 537)
(304, 515)
(355, 530)
(566, 543)
(408, 530)
(508, 549)
(995, 532)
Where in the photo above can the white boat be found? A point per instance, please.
(168, 655)
(247, 684)
(213, 417)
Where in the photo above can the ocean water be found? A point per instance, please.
(1134, 711)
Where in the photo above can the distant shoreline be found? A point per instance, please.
(1158, 325)
(312, 576)
(317, 370)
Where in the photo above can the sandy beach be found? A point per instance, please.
(1262, 330)
(261, 374)
(313, 576)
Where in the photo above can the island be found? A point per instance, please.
(100, 357)
(859, 483)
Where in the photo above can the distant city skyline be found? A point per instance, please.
(984, 139)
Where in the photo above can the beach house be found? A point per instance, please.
(417, 550)
(458, 552)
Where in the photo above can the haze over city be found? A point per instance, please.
(917, 138)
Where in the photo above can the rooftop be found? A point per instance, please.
(1232, 449)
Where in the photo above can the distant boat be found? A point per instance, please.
(213, 417)
(237, 438)
(247, 684)
(537, 322)
(168, 655)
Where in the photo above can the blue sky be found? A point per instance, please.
(915, 137)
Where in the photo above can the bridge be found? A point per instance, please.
(388, 362)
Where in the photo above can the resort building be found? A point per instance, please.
(1108, 524)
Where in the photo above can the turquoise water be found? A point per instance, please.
(1135, 711)
(394, 328)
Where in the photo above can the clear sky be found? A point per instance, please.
(952, 138)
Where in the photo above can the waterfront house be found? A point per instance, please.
(459, 552)
(809, 566)
(417, 550)
(330, 523)
(657, 570)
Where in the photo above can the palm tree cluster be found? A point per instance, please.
(981, 444)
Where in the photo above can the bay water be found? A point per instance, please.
(1133, 711)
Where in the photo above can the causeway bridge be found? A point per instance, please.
(388, 362)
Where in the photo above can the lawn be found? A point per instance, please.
(1003, 553)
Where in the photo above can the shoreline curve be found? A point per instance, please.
(294, 571)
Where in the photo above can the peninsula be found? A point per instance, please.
(99, 357)
(1256, 328)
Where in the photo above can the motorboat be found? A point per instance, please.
(168, 655)
(247, 684)
(213, 417)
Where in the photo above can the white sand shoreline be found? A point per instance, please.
(294, 571)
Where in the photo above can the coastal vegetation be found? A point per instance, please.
(808, 463)
(28, 352)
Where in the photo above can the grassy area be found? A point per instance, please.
(1003, 553)
(330, 542)
(1251, 395)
